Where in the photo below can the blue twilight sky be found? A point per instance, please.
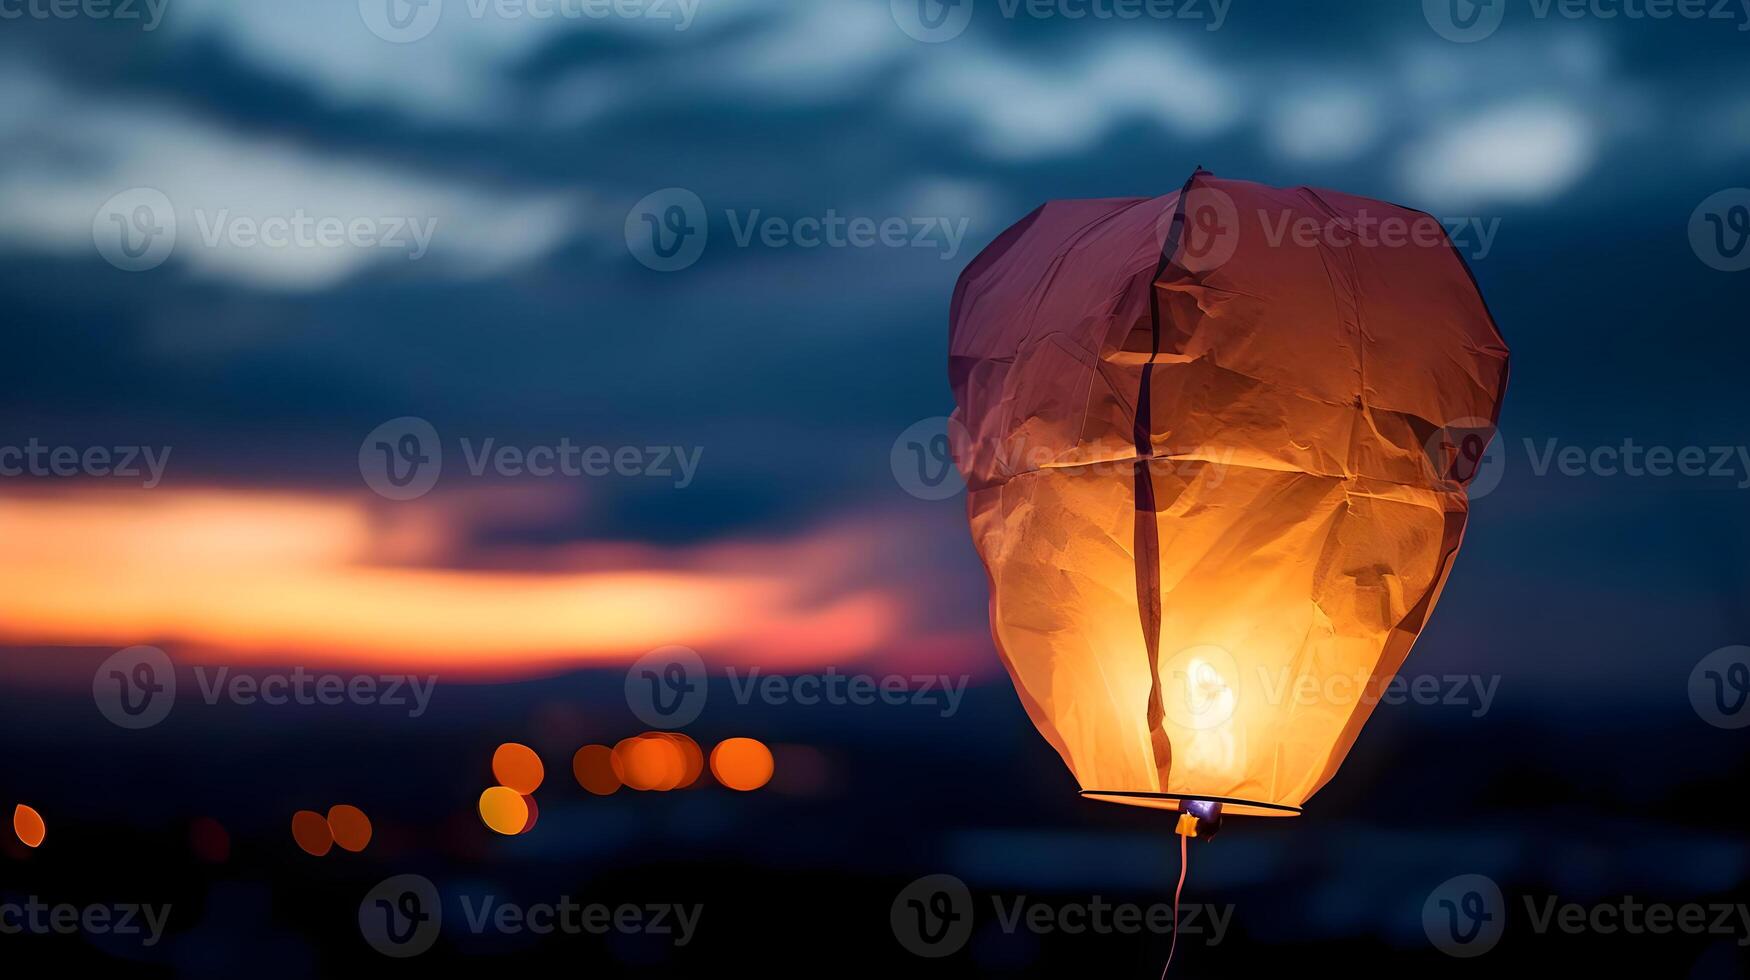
(1570, 150)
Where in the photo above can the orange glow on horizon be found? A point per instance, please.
(340, 578)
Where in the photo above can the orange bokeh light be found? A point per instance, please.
(692, 757)
(504, 810)
(350, 827)
(29, 826)
(310, 830)
(649, 762)
(593, 766)
(517, 766)
(210, 840)
(741, 763)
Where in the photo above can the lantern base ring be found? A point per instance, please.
(1176, 801)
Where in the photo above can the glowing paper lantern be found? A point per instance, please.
(1216, 446)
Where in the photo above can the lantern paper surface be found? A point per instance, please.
(1217, 447)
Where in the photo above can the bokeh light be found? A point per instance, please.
(518, 767)
(692, 757)
(534, 814)
(29, 826)
(741, 763)
(350, 827)
(649, 762)
(209, 840)
(310, 830)
(594, 768)
(504, 810)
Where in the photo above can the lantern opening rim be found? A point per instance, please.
(1231, 806)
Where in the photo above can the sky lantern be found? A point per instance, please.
(1217, 446)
